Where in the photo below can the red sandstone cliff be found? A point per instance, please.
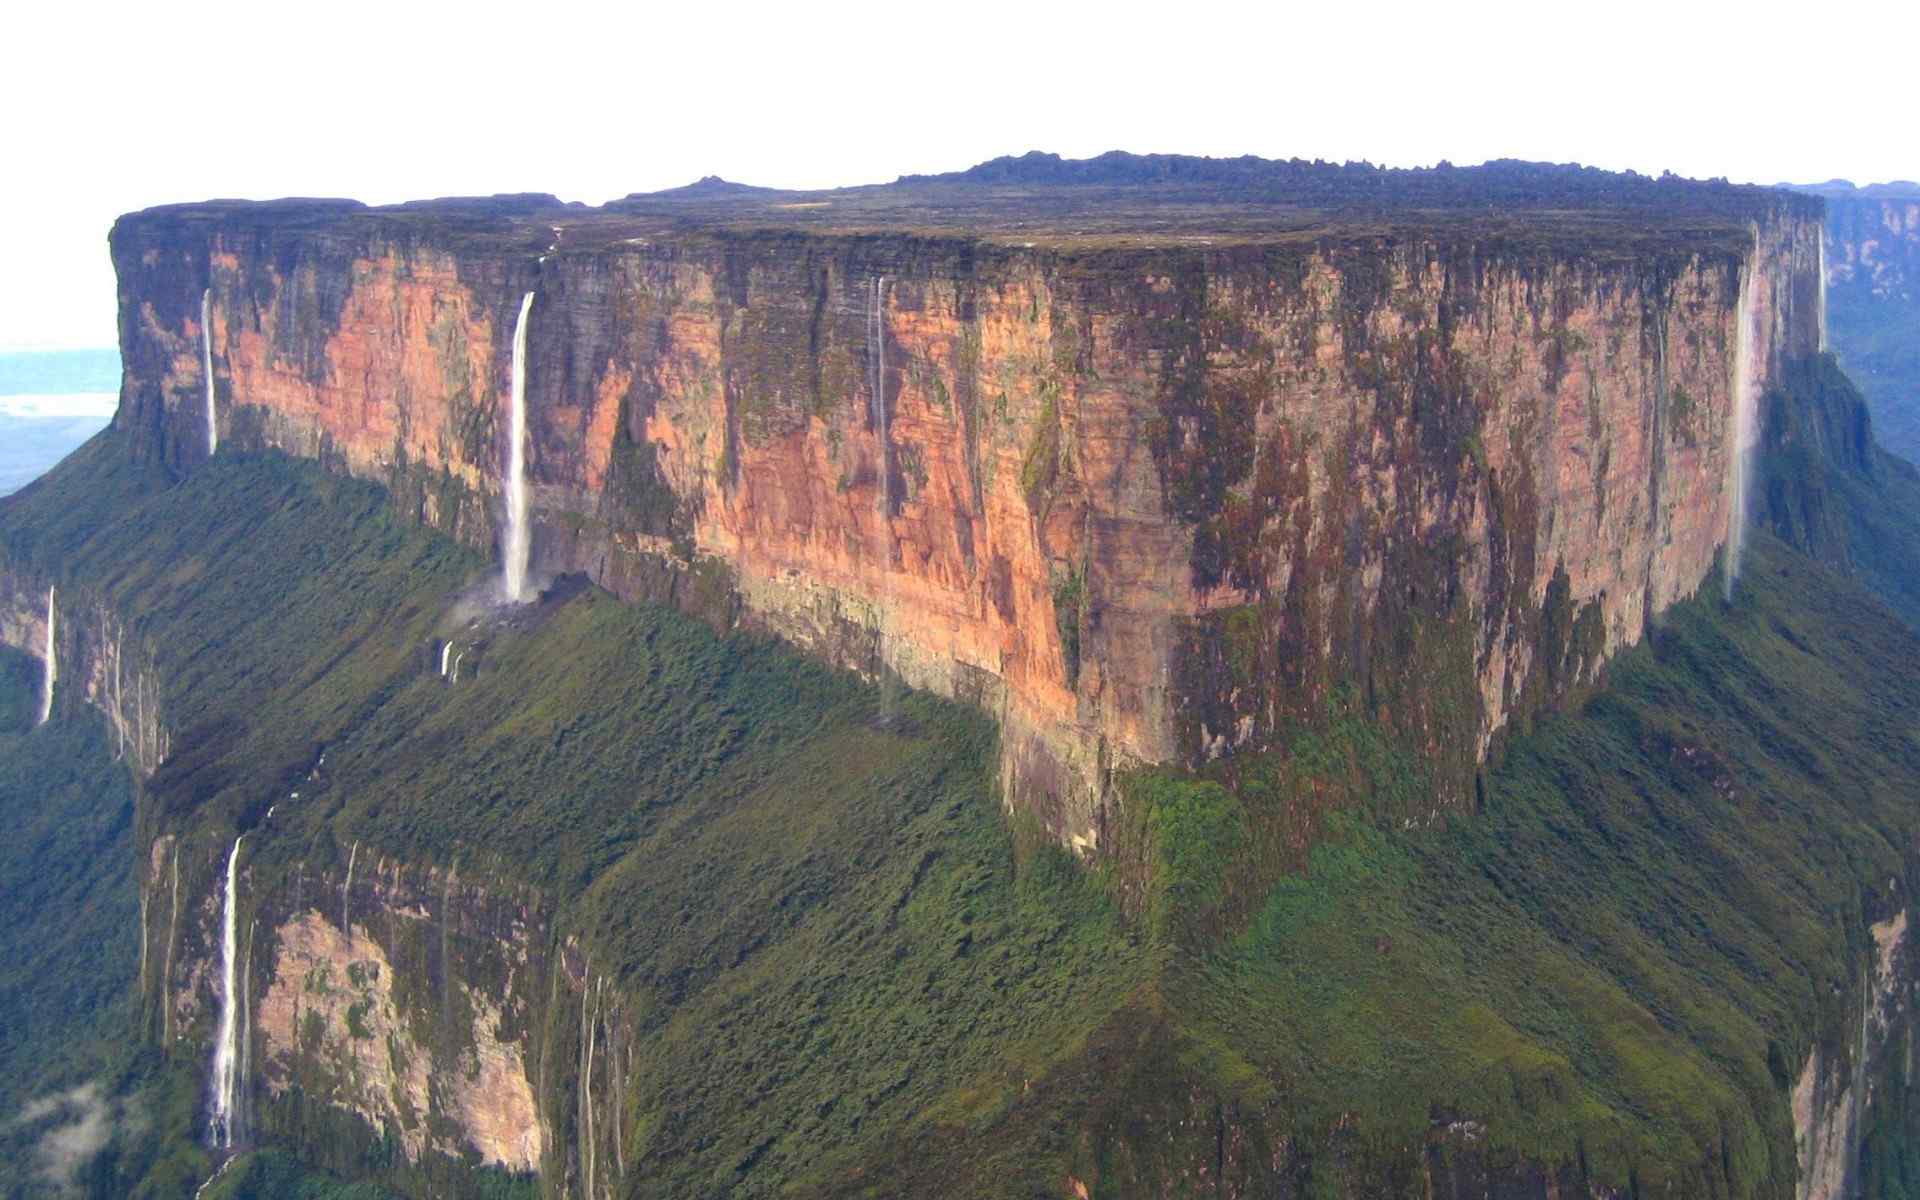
(1151, 492)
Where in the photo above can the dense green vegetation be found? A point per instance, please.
(1616, 967)
(850, 972)
(69, 939)
(1879, 338)
(1873, 306)
(771, 875)
(1833, 491)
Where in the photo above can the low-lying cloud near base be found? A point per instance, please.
(85, 1122)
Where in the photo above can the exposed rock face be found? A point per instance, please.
(338, 1019)
(1875, 244)
(1146, 502)
(99, 664)
(426, 1021)
(1836, 1090)
(1873, 289)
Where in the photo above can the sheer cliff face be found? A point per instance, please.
(1144, 505)
(98, 663)
(1875, 246)
(411, 999)
(1873, 283)
(1833, 1099)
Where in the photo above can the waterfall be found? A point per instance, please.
(877, 398)
(206, 366)
(446, 648)
(226, 1047)
(346, 895)
(1746, 404)
(515, 550)
(52, 667)
(1823, 290)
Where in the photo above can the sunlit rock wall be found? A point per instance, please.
(1143, 505)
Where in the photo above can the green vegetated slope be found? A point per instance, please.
(855, 975)
(824, 921)
(1879, 337)
(1618, 965)
(1834, 491)
(1616, 968)
(69, 934)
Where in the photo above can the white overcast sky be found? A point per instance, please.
(110, 108)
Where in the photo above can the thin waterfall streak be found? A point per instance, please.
(1823, 290)
(518, 543)
(226, 1046)
(446, 648)
(52, 666)
(206, 367)
(346, 895)
(119, 712)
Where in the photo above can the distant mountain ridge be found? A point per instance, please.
(1846, 189)
(1505, 181)
(1873, 298)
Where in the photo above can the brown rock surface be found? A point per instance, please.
(1147, 498)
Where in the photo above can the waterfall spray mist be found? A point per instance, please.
(517, 545)
(52, 671)
(206, 367)
(226, 1055)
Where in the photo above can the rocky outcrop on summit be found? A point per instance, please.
(1143, 488)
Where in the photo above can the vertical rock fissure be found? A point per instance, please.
(1657, 457)
(245, 1034)
(166, 972)
(446, 946)
(143, 936)
(586, 1083)
(877, 401)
